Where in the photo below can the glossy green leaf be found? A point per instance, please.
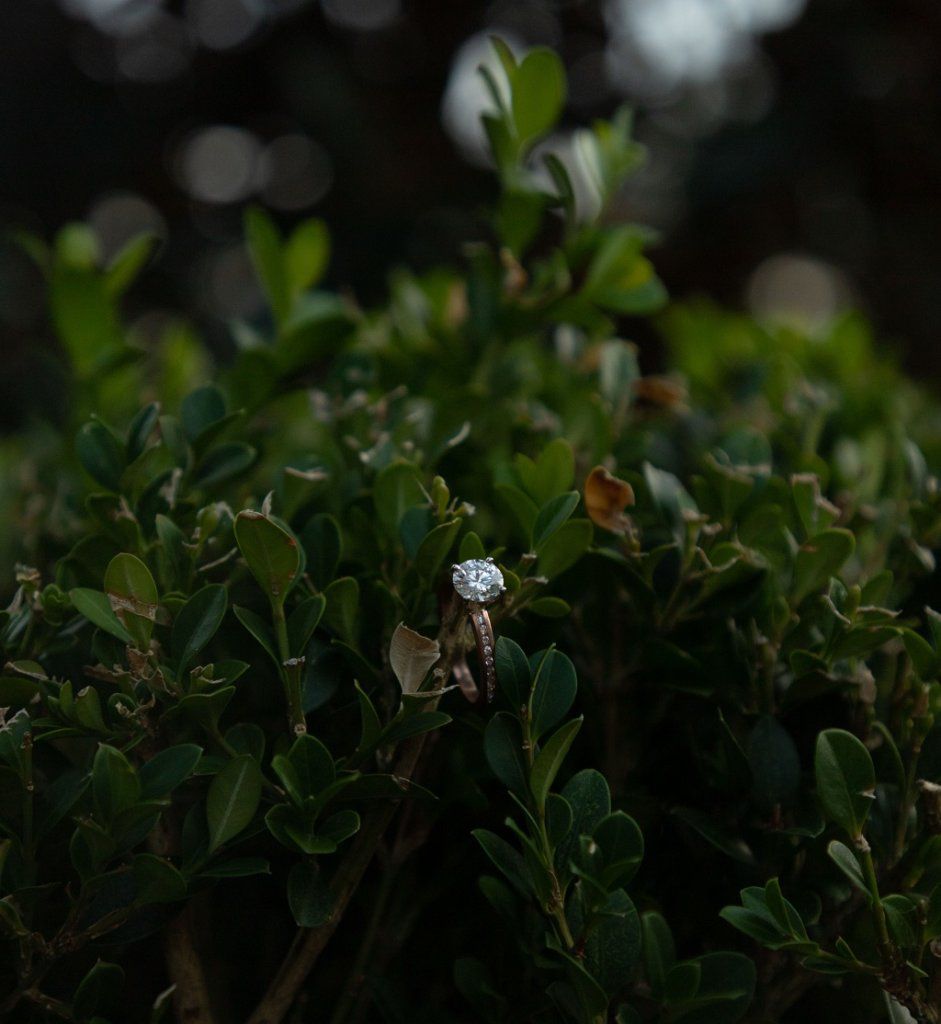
(271, 553)
(434, 549)
(513, 673)
(101, 453)
(302, 622)
(322, 543)
(309, 897)
(233, 798)
(96, 608)
(196, 623)
(553, 691)
(115, 785)
(550, 758)
(99, 992)
(565, 547)
(846, 779)
(133, 595)
(503, 748)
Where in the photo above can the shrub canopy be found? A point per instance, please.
(234, 760)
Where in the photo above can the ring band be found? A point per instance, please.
(483, 634)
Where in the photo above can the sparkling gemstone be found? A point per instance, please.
(478, 580)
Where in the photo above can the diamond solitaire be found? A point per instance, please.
(478, 580)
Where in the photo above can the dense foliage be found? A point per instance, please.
(708, 790)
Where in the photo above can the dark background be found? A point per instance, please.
(796, 171)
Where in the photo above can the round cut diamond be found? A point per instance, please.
(478, 580)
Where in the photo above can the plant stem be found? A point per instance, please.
(886, 949)
(358, 974)
(556, 907)
(290, 671)
(309, 943)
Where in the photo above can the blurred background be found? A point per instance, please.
(794, 146)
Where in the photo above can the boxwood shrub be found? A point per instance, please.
(238, 779)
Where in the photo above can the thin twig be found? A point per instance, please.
(310, 942)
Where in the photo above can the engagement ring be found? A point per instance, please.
(480, 582)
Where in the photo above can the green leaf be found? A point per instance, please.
(196, 623)
(309, 897)
(520, 506)
(223, 463)
(322, 543)
(303, 621)
(96, 608)
(564, 547)
(505, 859)
(340, 826)
(140, 430)
(133, 595)
(820, 558)
(101, 454)
(259, 629)
(725, 984)
(612, 947)
(167, 769)
(553, 691)
(513, 674)
(200, 410)
(157, 880)
(99, 992)
(233, 799)
(271, 553)
(397, 488)
(538, 88)
(659, 950)
(264, 245)
(306, 254)
(401, 729)
(115, 785)
(846, 779)
(588, 795)
(434, 549)
(550, 758)
(622, 848)
(312, 764)
(552, 516)
(128, 262)
(237, 867)
(846, 861)
(550, 607)
(503, 748)
(774, 763)
(342, 611)
(471, 547)
(370, 724)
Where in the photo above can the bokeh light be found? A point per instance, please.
(799, 291)
(657, 45)
(362, 15)
(218, 164)
(294, 172)
(224, 24)
(117, 217)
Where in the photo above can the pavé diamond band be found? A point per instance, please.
(479, 582)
